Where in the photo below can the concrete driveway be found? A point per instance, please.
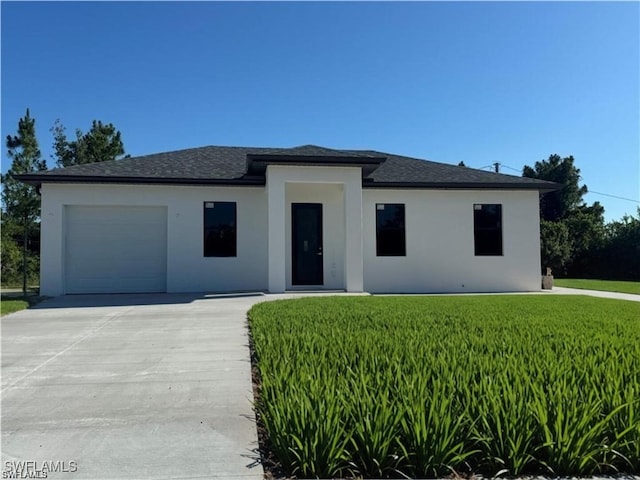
(130, 386)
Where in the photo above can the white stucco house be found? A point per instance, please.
(226, 219)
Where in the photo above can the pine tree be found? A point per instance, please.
(22, 202)
(101, 143)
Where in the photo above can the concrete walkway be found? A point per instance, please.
(595, 293)
(130, 386)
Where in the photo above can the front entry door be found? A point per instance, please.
(306, 233)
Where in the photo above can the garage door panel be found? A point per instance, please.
(115, 249)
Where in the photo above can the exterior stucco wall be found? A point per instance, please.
(439, 235)
(287, 184)
(187, 269)
(440, 243)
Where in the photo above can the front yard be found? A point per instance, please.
(429, 386)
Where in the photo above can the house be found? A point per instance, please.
(224, 219)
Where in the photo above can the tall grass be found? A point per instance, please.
(389, 387)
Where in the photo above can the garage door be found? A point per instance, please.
(115, 249)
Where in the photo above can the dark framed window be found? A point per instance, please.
(487, 229)
(220, 229)
(390, 231)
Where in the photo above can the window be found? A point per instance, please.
(219, 229)
(390, 236)
(487, 229)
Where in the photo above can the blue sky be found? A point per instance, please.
(477, 82)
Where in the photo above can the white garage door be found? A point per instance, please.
(116, 249)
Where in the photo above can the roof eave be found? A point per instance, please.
(542, 188)
(38, 179)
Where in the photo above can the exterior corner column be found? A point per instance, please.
(52, 244)
(275, 187)
(353, 229)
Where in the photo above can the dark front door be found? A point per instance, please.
(306, 233)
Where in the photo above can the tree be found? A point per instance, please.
(586, 235)
(21, 201)
(584, 225)
(556, 205)
(11, 255)
(620, 256)
(555, 246)
(100, 144)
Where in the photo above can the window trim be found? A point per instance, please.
(477, 230)
(403, 251)
(204, 230)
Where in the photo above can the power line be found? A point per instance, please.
(495, 167)
(590, 191)
(614, 196)
(511, 168)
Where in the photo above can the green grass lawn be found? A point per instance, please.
(12, 305)
(605, 285)
(424, 386)
(14, 302)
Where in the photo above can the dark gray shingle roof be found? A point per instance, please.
(228, 165)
